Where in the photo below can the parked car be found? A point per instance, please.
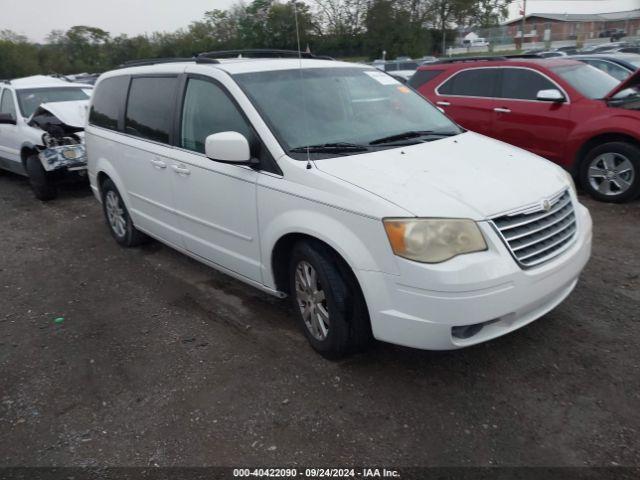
(619, 66)
(426, 59)
(475, 42)
(613, 33)
(401, 69)
(41, 131)
(333, 184)
(552, 54)
(564, 110)
(606, 47)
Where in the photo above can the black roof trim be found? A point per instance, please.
(155, 61)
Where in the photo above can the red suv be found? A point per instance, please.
(564, 110)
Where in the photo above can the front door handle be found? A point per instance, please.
(159, 164)
(181, 170)
(444, 104)
(501, 110)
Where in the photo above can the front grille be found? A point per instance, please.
(537, 235)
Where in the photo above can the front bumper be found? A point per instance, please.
(419, 307)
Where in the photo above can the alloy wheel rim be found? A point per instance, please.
(312, 301)
(115, 214)
(611, 174)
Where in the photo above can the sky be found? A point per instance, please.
(573, 6)
(36, 18)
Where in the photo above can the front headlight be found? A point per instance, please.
(433, 240)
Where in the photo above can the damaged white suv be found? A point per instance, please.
(41, 131)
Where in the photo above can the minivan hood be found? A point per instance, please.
(465, 176)
(632, 81)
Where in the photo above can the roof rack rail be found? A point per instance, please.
(155, 61)
(259, 53)
(525, 55)
(468, 59)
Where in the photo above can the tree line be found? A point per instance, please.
(339, 28)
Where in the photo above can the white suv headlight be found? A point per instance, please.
(433, 240)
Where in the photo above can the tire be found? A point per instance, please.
(611, 172)
(118, 218)
(43, 188)
(323, 285)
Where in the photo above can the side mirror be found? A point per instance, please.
(228, 147)
(551, 95)
(7, 119)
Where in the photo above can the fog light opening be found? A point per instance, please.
(467, 331)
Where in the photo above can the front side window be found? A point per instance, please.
(522, 84)
(150, 108)
(343, 110)
(31, 98)
(6, 103)
(207, 109)
(479, 82)
(588, 80)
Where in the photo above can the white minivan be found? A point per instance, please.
(335, 185)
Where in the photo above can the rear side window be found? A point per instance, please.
(150, 108)
(421, 77)
(480, 82)
(521, 84)
(107, 101)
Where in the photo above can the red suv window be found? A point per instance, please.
(478, 82)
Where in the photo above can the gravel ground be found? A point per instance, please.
(161, 361)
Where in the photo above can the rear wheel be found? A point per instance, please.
(327, 301)
(611, 172)
(117, 217)
(43, 187)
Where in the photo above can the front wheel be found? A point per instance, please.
(43, 187)
(327, 301)
(611, 172)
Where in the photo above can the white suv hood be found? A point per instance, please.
(466, 176)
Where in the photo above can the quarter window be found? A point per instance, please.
(6, 104)
(107, 103)
(150, 108)
(207, 109)
(522, 84)
(480, 82)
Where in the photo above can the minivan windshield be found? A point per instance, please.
(31, 98)
(589, 81)
(342, 110)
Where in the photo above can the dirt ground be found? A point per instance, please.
(162, 361)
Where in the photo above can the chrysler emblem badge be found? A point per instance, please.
(546, 205)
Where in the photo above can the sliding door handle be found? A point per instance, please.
(159, 164)
(501, 110)
(181, 170)
(443, 104)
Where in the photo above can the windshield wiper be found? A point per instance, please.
(411, 134)
(337, 147)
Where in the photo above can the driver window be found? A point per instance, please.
(207, 109)
(7, 105)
